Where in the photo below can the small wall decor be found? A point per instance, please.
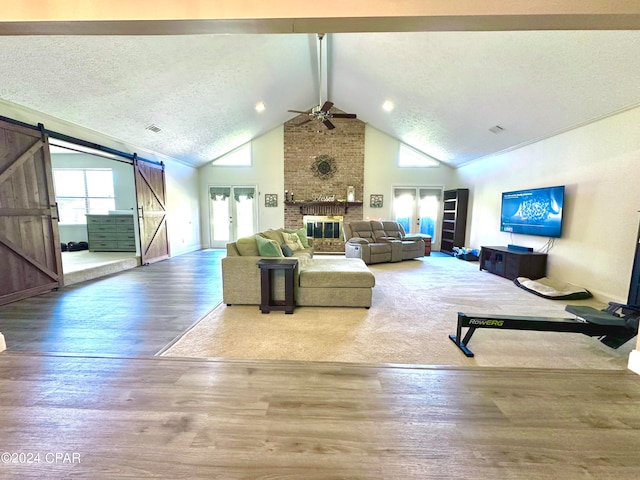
(270, 199)
(324, 167)
(376, 201)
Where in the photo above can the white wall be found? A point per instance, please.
(600, 165)
(183, 208)
(266, 172)
(381, 172)
(182, 184)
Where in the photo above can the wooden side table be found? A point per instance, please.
(427, 245)
(267, 267)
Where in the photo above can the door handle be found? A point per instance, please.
(57, 214)
(140, 212)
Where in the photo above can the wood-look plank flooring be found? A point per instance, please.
(132, 313)
(190, 419)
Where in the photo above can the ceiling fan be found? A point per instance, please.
(321, 112)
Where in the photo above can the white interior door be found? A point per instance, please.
(233, 212)
(417, 209)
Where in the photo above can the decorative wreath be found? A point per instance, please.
(324, 167)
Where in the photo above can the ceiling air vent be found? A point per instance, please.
(153, 128)
(496, 129)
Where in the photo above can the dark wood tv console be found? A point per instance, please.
(512, 264)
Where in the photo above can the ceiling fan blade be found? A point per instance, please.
(296, 111)
(343, 115)
(303, 122)
(327, 105)
(329, 125)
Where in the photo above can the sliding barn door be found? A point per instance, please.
(152, 211)
(30, 255)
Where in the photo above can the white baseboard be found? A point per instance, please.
(3, 345)
(634, 361)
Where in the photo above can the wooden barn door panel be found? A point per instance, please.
(30, 258)
(152, 211)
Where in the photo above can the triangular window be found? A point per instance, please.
(410, 157)
(240, 157)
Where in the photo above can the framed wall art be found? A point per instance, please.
(376, 201)
(270, 199)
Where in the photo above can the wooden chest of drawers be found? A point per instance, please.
(111, 233)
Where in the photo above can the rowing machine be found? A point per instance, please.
(615, 325)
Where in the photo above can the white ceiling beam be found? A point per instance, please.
(151, 17)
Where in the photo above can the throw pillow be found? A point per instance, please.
(273, 235)
(286, 251)
(247, 246)
(302, 235)
(292, 241)
(268, 248)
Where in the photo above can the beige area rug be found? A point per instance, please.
(415, 305)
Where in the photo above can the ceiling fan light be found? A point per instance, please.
(388, 106)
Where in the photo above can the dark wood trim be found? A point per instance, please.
(324, 208)
(30, 292)
(21, 160)
(25, 255)
(152, 190)
(25, 212)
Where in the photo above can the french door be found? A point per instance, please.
(417, 209)
(233, 213)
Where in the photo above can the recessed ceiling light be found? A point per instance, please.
(387, 106)
(260, 107)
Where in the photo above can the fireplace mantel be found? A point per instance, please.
(324, 208)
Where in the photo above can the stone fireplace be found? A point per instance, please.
(320, 167)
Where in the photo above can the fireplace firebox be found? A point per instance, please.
(323, 226)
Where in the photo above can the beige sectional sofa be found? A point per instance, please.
(320, 280)
(377, 241)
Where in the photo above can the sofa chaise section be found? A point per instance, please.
(335, 282)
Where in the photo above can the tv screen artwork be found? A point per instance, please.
(536, 211)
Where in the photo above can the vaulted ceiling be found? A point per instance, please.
(448, 89)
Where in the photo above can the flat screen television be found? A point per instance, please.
(537, 211)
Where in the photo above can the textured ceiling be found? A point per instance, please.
(448, 88)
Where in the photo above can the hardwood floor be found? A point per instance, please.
(103, 413)
(172, 418)
(131, 313)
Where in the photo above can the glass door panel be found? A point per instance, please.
(404, 207)
(417, 209)
(245, 216)
(429, 212)
(233, 214)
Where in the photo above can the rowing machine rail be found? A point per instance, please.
(614, 330)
